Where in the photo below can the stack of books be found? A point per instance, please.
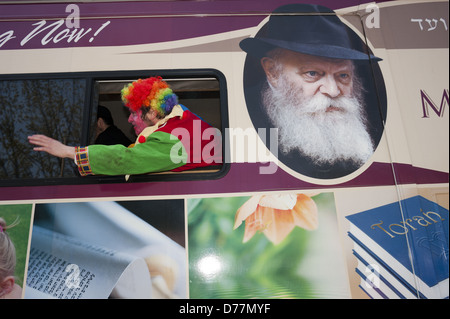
(402, 249)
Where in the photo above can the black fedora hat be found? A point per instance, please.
(308, 29)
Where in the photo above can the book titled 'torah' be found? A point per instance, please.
(402, 249)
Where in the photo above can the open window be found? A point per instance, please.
(65, 107)
(200, 95)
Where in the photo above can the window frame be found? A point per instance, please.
(90, 99)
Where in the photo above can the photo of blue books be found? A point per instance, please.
(402, 249)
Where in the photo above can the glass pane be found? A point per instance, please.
(53, 107)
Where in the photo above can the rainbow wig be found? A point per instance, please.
(151, 93)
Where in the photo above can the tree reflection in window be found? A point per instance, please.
(53, 107)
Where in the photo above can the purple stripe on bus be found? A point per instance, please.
(242, 177)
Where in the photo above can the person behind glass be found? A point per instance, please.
(159, 121)
(9, 289)
(107, 132)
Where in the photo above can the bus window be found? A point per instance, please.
(66, 109)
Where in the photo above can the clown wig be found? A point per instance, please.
(151, 93)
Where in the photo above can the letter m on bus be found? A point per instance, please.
(428, 102)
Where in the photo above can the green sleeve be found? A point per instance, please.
(161, 152)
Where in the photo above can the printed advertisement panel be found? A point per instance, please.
(232, 150)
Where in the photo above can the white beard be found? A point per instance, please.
(325, 137)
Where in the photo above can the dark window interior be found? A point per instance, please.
(53, 107)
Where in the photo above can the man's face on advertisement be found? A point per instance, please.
(313, 75)
(315, 104)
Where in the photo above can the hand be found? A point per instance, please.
(51, 146)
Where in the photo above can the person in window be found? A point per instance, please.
(9, 289)
(170, 137)
(302, 76)
(107, 132)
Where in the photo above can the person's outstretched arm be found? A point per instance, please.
(51, 146)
